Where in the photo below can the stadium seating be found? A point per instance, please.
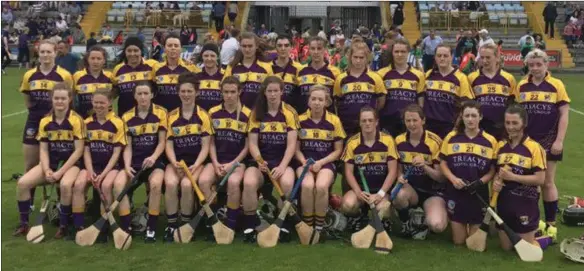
(118, 11)
(500, 13)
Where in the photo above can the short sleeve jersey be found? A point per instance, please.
(251, 79)
(209, 90)
(230, 132)
(187, 134)
(402, 90)
(317, 139)
(288, 75)
(494, 94)
(308, 77)
(144, 131)
(429, 149)
(85, 85)
(442, 94)
(61, 137)
(103, 138)
(38, 86)
(166, 81)
(125, 79)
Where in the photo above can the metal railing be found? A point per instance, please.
(163, 18)
(448, 20)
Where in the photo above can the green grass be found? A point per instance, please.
(436, 253)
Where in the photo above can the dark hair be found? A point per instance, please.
(441, 45)
(95, 48)
(231, 80)
(187, 78)
(389, 55)
(414, 108)
(368, 108)
(284, 37)
(261, 105)
(142, 84)
(172, 35)
(519, 110)
(317, 39)
(132, 40)
(238, 58)
(235, 32)
(466, 104)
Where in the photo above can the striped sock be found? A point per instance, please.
(24, 210)
(308, 218)
(64, 217)
(78, 216)
(185, 217)
(172, 220)
(319, 220)
(125, 219)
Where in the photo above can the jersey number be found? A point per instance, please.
(491, 89)
(470, 148)
(533, 97)
(356, 87)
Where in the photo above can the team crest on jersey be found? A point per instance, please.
(89, 135)
(176, 130)
(32, 84)
(303, 133)
(160, 78)
(110, 137)
(521, 161)
(429, 84)
(329, 135)
(216, 123)
(414, 85)
(402, 155)
(387, 83)
(132, 130)
(240, 126)
(146, 74)
(455, 147)
(452, 88)
(30, 131)
(477, 90)
(83, 88)
(122, 77)
(359, 159)
(483, 152)
(522, 96)
(451, 205)
(547, 97)
(505, 90)
(345, 88)
(304, 79)
(262, 126)
(524, 220)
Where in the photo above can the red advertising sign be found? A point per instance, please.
(513, 58)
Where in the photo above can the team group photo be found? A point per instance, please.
(292, 135)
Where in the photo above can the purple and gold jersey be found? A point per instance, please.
(353, 93)
(273, 133)
(493, 94)
(38, 86)
(85, 85)
(527, 158)
(288, 75)
(103, 138)
(144, 131)
(402, 90)
(61, 137)
(469, 158)
(429, 148)
(317, 140)
(373, 160)
(251, 79)
(543, 104)
(308, 76)
(166, 81)
(209, 89)
(125, 79)
(187, 134)
(230, 132)
(442, 95)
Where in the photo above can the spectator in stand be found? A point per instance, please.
(262, 31)
(184, 35)
(398, 15)
(218, 15)
(459, 35)
(466, 41)
(23, 50)
(140, 34)
(193, 36)
(524, 39)
(64, 11)
(156, 50)
(61, 24)
(7, 16)
(429, 45)
(157, 33)
(570, 34)
(75, 12)
(233, 11)
(33, 28)
(525, 49)
(107, 34)
(321, 33)
(77, 34)
(467, 64)
(550, 13)
(66, 59)
(484, 40)
(5, 50)
(229, 48)
(415, 56)
(539, 43)
(91, 41)
(119, 40)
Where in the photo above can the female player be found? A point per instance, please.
(403, 84)
(132, 70)
(521, 163)
(189, 138)
(229, 146)
(374, 152)
(286, 68)
(36, 85)
(61, 134)
(547, 104)
(165, 74)
(419, 149)
(321, 138)
(494, 89)
(105, 140)
(357, 87)
(146, 128)
(467, 160)
(249, 67)
(272, 137)
(90, 79)
(446, 87)
(317, 71)
(209, 90)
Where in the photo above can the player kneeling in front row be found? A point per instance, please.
(419, 149)
(61, 134)
(375, 153)
(521, 163)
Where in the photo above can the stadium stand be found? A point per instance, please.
(565, 12)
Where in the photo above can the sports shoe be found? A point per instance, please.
(61, 233)
(150, 237)
(406, 229)
(102, 237)
(209, 235)
(552, 232)
(541, 229)
(386, 225)
(21, 230)
(72, 233)
(168, 235)
(284, 236)
(249, 236)
(419, 233)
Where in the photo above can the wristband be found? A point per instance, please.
(381, 193)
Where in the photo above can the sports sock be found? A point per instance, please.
(78, 216)
(544, 241)
(184, 218)
(232, 214)
(404, 214)
(172, 220)
(319, 220)
(308, 218)
(125, 219)
(251, 219)
(64, 217)
(152, 220)
(550, 209)
(24, 210)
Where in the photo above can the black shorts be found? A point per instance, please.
(495, 129)
(392, 125)
(423, 196)
(438, 127)
(546, 141)
(29, 134)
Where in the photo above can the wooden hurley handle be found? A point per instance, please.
(493, 202)
(185, 168)
(274, 182)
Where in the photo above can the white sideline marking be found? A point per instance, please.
(576, 111)
(24, 111)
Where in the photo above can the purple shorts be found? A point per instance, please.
(438, 127)
(31, 129)
(392, 125)
(465, 208)
(520, 213)
(492, 128)
(546, 141)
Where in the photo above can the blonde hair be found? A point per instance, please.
(536, 53)
(491, 46)
(48, 41)
(357, 46)
(326, 91)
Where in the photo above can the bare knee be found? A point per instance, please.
(186, 186)
(79, 187)
(66, 188)
(156, 186)
(436, 225)
(233, 185)
(349, 207)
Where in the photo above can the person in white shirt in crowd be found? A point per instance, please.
(484, 39)
(321, 33)
(527, 35)
(229, 48)
(61, 25)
